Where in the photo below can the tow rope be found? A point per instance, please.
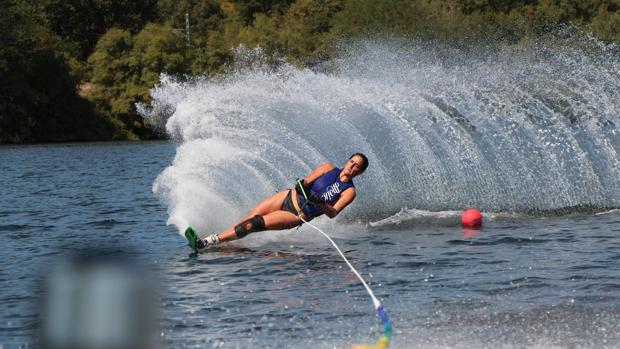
(385, 339)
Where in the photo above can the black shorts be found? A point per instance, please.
(287, 204)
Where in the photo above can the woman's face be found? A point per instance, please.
(353, 167)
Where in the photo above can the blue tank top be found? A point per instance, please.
(329, 186)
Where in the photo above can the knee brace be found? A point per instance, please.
(250, 225)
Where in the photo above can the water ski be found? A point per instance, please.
(192, 238)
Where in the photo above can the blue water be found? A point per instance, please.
(521, 282)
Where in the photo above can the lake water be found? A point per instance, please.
(521, 282)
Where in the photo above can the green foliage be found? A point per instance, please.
(80, 23)
(38, 99)
(496, 6)
(114, 51)
(264, 32)
(110, 60)
(606, 23)
(125, 67)
(217, 55)
(203, 15)
(247, 10)
(306, 27)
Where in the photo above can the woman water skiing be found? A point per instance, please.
(326, 190)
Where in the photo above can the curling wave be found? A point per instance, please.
(522, 129)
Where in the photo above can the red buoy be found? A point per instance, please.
(471, 218)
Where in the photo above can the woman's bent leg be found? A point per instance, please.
(277, 220)
(280, 220)
(270, 205)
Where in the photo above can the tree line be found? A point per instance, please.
(73, 70)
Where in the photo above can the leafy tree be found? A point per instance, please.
(306, 26)
(264, 32)
(125, 67)
(248, 9)
(82, 22)
(204, 15)
(606, 23)
(421, 19)
(38, 97)
(218, 55)
(494, 6)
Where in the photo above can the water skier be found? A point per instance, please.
(326, 190)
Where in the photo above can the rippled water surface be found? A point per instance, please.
(520, 282)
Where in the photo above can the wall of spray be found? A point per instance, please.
(532, 129)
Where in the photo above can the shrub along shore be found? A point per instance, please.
(73, 70)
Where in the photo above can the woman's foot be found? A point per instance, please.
(211, 240)
(197, 244)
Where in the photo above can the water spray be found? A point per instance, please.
(532, 128)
